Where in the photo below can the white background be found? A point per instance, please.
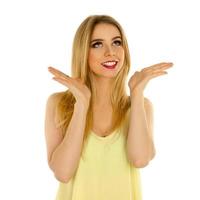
(39, 33)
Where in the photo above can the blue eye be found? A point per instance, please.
(118, 42)
(96, 44)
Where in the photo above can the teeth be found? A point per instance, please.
(110, 63)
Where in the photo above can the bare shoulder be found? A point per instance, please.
(53, 99)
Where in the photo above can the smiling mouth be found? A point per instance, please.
(110, 64)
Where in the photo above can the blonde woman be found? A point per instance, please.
(97, 136)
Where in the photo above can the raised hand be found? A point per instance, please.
(139, 79)
(80, 91)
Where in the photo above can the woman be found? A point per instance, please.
(97, 136)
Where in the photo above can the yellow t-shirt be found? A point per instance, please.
(104, 172)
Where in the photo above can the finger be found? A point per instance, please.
(160, 69)
(53, 70)
(61, 80)
(153, 66)
(57, 72)
(158, 74)
(168, 65)
(161, 64)
(158, 66)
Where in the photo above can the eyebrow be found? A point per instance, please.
(99, 40)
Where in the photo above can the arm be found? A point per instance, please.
(140, 147)
(64, 152)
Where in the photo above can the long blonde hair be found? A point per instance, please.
(80, 69)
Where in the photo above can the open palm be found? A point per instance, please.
(139, 79)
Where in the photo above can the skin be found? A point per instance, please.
(139, 80)
(140, 146)
(107, 49)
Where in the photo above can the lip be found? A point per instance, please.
(110, 66)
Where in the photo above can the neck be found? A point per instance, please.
(103, 91)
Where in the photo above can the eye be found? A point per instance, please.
(117, 42)
(96, 45)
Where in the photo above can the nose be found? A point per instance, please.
(109, 51)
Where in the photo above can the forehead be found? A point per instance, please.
(105, 30)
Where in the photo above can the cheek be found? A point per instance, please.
(93, 57)
(121, 53)
(90, 58)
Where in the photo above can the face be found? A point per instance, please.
(106, 53)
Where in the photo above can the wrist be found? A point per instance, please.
(81, 107)
(135, 93)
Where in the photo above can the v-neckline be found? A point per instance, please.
(106, 137)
